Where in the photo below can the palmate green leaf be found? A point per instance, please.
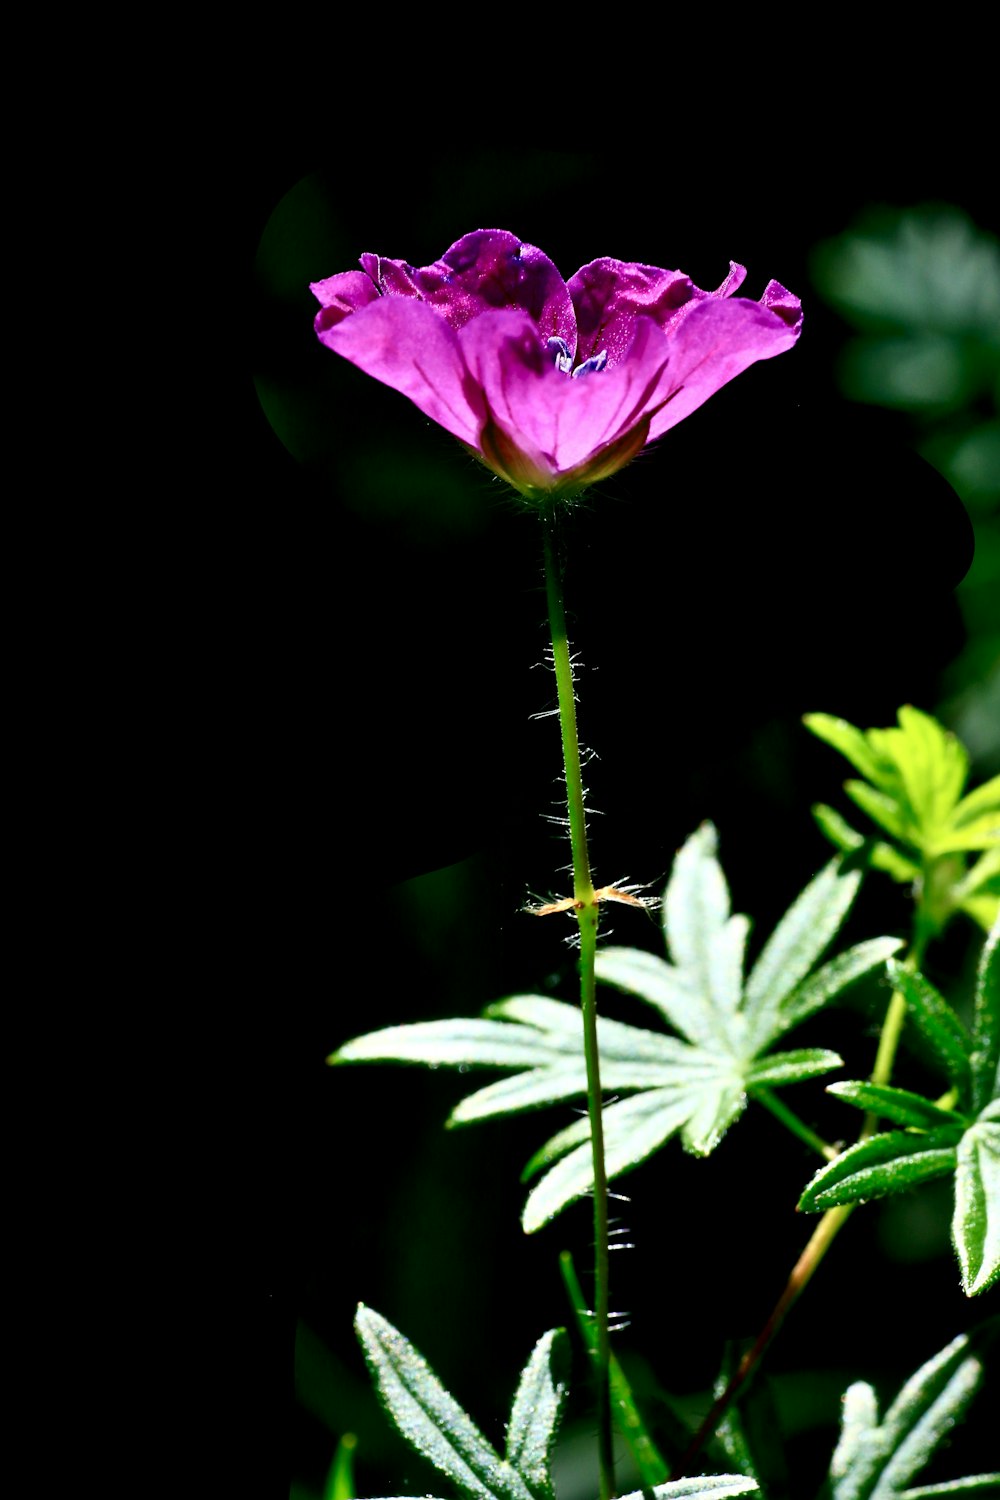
(435, 1425)
(693, 1085)
(876, 1461)
(912, 789)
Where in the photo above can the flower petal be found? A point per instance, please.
(560, 424)
(610, 295)
(716, 341)
(407, 346)
(487, 269)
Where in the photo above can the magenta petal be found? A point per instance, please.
(341, 295)
(407, 346)
(559, 423)
(715, 342)
(487, 269)
(609, 297)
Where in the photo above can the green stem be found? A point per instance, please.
(587, 913)
(791, 1121)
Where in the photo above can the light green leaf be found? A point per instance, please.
(708, 1487)
(883, 809)
(705, 946)
(535, 1413)
(799, 938)
(976, 1484)
(975, 1228)
(984, 800)
(633, 1129)
(937, 1022)
(453, 1043)
(934, 766)
(898, 1105)
(652, 979)
(429, 1418)
(792, 1067)
(851, 742)
(716, 1110)
(984, 1058)
(829, 980)
(876, 1462)
(858, 1426)
(886, 1163)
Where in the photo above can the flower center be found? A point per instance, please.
(563, 360)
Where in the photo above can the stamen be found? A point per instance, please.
(589, 366)
(560, 350)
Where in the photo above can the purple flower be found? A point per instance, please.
(551, 384)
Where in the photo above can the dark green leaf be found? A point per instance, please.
(985, 1055)
(887, 1163)
(937, 1022)
(535, 1414)
(898, 1105)
(975, 1228)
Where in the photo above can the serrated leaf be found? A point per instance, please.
(429, 1418)
(792, 1067)
(984, 1057)
(886, 1163)
(937, 1022)
(535, 1413)
(898, 1105)
(799, 938)
(875, 1461)
(975, 1228)
(934, 765)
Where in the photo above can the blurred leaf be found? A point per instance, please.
(914, 777)
(874, 1461)
(880, 856)
(624, 1410)
(984, 1059)
(340, 1480)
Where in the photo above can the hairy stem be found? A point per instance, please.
(587, 914)
(791, 1121)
